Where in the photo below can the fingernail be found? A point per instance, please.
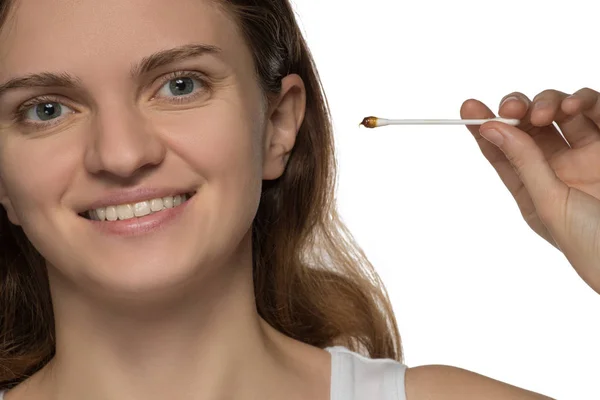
(540, 104)
(509, 99)
(493, 136)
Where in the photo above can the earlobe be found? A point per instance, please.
(284, 120)
(8, 207)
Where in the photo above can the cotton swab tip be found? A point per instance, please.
(369, 122)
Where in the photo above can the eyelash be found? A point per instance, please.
(20, 115)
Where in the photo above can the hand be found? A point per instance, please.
(555, 182)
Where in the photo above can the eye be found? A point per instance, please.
(46, 111)
(180, 86)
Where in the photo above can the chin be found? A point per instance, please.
(115, 276)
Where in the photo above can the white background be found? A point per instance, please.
(472, 286)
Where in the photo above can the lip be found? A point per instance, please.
(142, 225)
(132, 196)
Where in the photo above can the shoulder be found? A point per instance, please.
(357, 377)
(440, 382)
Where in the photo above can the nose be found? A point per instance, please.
(122, 143)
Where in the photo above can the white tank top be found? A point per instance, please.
(355, 377)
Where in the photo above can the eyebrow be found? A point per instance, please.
(146, 65)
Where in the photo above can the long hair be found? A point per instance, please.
(312, 282)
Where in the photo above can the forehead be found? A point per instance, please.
(72, 35)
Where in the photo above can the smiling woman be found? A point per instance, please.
(109, 263)
(167, 176)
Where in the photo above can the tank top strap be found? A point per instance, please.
(356, 377)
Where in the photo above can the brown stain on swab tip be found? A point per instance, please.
(369, 122)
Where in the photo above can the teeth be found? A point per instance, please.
(141, 209)
(176, 201)
(156, 205)
(111, 213)
(167, 202)
(125, 212)
(101, 214)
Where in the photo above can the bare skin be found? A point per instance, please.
(167, 315)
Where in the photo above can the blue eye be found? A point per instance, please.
(46, 111)
(181, 86)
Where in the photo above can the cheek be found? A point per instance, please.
(36, 173)
(221, 142)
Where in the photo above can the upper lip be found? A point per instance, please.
(132, 196)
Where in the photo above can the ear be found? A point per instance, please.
(284, 119)
(7, 204)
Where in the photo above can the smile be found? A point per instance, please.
(140, 209)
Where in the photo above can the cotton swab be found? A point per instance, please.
(374, 122)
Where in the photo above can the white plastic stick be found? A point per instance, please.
(374, 122)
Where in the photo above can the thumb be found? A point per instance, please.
(547, 191)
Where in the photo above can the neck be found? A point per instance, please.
(206, 342)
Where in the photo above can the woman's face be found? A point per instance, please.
(94, 117)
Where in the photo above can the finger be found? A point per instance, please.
(547, 191)
(546, 108)
(577, 129)
(517, 105)
(585, 101)
(475, 109)
(548, 138)
(583, 127)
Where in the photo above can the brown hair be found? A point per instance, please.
(312, 282)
